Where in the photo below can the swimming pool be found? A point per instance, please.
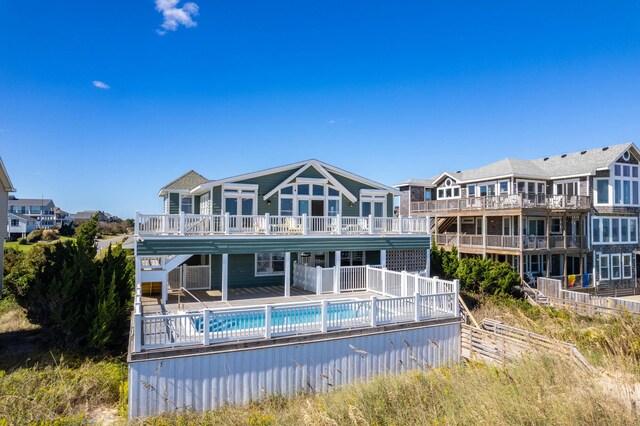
(298, 315)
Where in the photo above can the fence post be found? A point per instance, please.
(336, 280)
(137, 332)
(403, 284)
(267, 224)
(436, 288)
(324, 317)
(181, 229)
(205, 327)
(319, 289)
(374, 311)
(267, 322)
(370, 224)
(400, 230)
(384, 281)
(456, 302)
(304, 224)
(227, 223)
(339, 223)
(366, 277)
(418, 307)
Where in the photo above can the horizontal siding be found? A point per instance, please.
(208, 381)
(246, 245)
(241, 273)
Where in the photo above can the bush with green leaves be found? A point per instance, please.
(475, 274)
(78, 300)
(34, 236)
(22, 241)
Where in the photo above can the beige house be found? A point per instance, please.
(5, 187)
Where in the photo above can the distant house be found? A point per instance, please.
(84, 216)
(61, 217)
(39, 209)
(5, 187)
(19, 226)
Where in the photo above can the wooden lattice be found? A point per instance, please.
(407, 260)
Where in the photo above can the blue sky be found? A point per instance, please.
(389, 90)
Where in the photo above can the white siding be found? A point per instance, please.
(207, 381)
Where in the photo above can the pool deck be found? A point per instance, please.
(241, 297)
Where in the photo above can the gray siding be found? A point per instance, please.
(210, 380)
(241, 273)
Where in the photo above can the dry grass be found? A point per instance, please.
(611, 342)
(533, 391)
(13, 317)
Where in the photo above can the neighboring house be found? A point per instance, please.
(19, 226)
(5, 188)
(84, 216)
(39, 209)
(61, 217)
(571, 216)
(275, 281)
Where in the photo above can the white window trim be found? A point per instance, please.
(563, 183)
(632, 239)
(615, 256)
(608, 268)
(445, 188)
(295, 197)
(609, 192)
(367, 196)
(240, 195)
(627, 256)
(267, 274)
(184, 197)
(240, 186)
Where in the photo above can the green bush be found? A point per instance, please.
(22, 241)
(78, 300)
(50, 235)
(34, 236)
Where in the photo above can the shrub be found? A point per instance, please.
(22, 241)
(50, 235)
(78, 300)
(34, 236)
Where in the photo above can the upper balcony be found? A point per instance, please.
(221, 225)
(504, 202)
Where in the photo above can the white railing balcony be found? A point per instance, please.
(196, 224)
(503, 202)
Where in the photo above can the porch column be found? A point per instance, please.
(287, 274)
(458, 226)
(383, 258)
(336, 276)
(165, 285)
(484, 236)
(225, 277)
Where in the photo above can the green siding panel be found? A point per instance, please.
(174, 203)
(246, 245)
(241, 273)
(311, 172)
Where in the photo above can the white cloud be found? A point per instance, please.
(101, 85)
(175, 16)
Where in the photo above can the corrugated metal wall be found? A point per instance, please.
(204, 382)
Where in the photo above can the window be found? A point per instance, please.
(427, 195)
(506, 226)
(615, 267)
(352, 258)
(602, 189)
(504, 187)
(615, 230)
(608, 230)
(450, 192)
(186, 205)
(15, 222)
(471, 190)
(556, 225)
(239, 201)
(536, 227)
(372, 204)
(269, 264)
(606, 234)
(314, 199)
(604, 267)
(625, 184)
(286, 206)
(626, 266)
(624, 230)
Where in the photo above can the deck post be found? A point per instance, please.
(267, 224)
(324, 317)
(287, 274)
(137, 332)
(403, 284)
(225, 277)
(384, 281)
(165, 290)
(181, 229)
(318, 279)
(366, 277)
(267, 322)
(227, 223)
(339, 224)
(400, 230)
(336, 272)
(383, 258)
(374, 309)
(370, 224)
(305, 225)
(418, 307)
(205, 328)
(456, 302)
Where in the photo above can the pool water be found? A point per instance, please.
(303, 315)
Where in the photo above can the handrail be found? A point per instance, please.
(190, 294)
(467, 312)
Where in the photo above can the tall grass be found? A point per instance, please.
(536, 390)
(62, 392)
(608, 341)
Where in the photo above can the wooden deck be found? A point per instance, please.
(241, 297)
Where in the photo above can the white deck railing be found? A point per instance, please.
(405, 298)
(196, 224)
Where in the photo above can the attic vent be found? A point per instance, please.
(563, 155)
(583, 152)
(545, 158)
(605, 148)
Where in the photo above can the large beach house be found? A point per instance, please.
(5, 188)
(572, 216)
(294, 278)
